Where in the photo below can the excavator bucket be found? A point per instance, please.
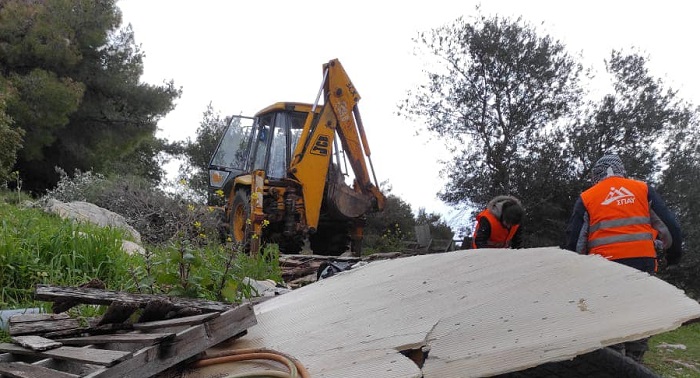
(343, 199)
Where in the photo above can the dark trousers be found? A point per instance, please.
(635, 349)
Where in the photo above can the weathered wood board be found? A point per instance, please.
(40, 323)
(106, 297)
(37, 343)
(91, 356)
(23, 370)
(114, 349)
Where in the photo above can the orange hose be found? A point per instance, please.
(249, 356)
(278, 356)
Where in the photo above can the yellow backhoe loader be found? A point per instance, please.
(283, 172)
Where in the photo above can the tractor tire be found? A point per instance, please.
(239, 216)
(602, 363)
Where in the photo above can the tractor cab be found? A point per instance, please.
(263, 142)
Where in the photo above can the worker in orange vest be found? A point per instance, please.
(498, 226)
(625, 221)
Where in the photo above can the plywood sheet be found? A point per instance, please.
(480, 313)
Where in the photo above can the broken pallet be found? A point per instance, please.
(55, 345)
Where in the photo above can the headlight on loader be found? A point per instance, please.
(217, 178)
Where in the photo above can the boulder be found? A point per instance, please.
(87, 212)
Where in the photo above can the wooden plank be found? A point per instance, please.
(130, 338)
(106, 297)
(189, 320)
(37, 317)
(77, 368)
(7, 357)
(88, 355)
(36, 342)
(22, 370)
(93, 330)
(41, 326)
(152, 360)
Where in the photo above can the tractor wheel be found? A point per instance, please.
(240, 214)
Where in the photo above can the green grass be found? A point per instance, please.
(37, 248)
(676, 362)
(40, 248)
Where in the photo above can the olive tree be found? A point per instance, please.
(497, 94)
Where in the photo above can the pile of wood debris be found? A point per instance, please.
(138, 336)
(300, 270)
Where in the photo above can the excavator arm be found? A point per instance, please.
(338, 118)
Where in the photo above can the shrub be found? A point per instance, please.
(159, 217)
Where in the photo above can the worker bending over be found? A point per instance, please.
(498, 226)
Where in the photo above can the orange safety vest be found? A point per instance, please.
(500, 236)
(619, 219)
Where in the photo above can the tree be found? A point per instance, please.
(631, 121)
(385, 231)
(497, 95)
(197, 153)
(75, 76)
(678, 185)
(511, 101)
(147, 160)
(10, 140)
(547, 187)
(499, 88)
(439, 229)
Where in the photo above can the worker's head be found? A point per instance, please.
(606, 166)
(511, 213)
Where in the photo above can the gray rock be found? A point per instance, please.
(132, 248)
(87, 212)
(672, 346)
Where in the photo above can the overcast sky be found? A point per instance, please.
(243, 55)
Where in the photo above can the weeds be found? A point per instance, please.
(36, 248)
(391, 240)
(214, 272)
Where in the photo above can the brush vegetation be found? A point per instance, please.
(41, 248)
